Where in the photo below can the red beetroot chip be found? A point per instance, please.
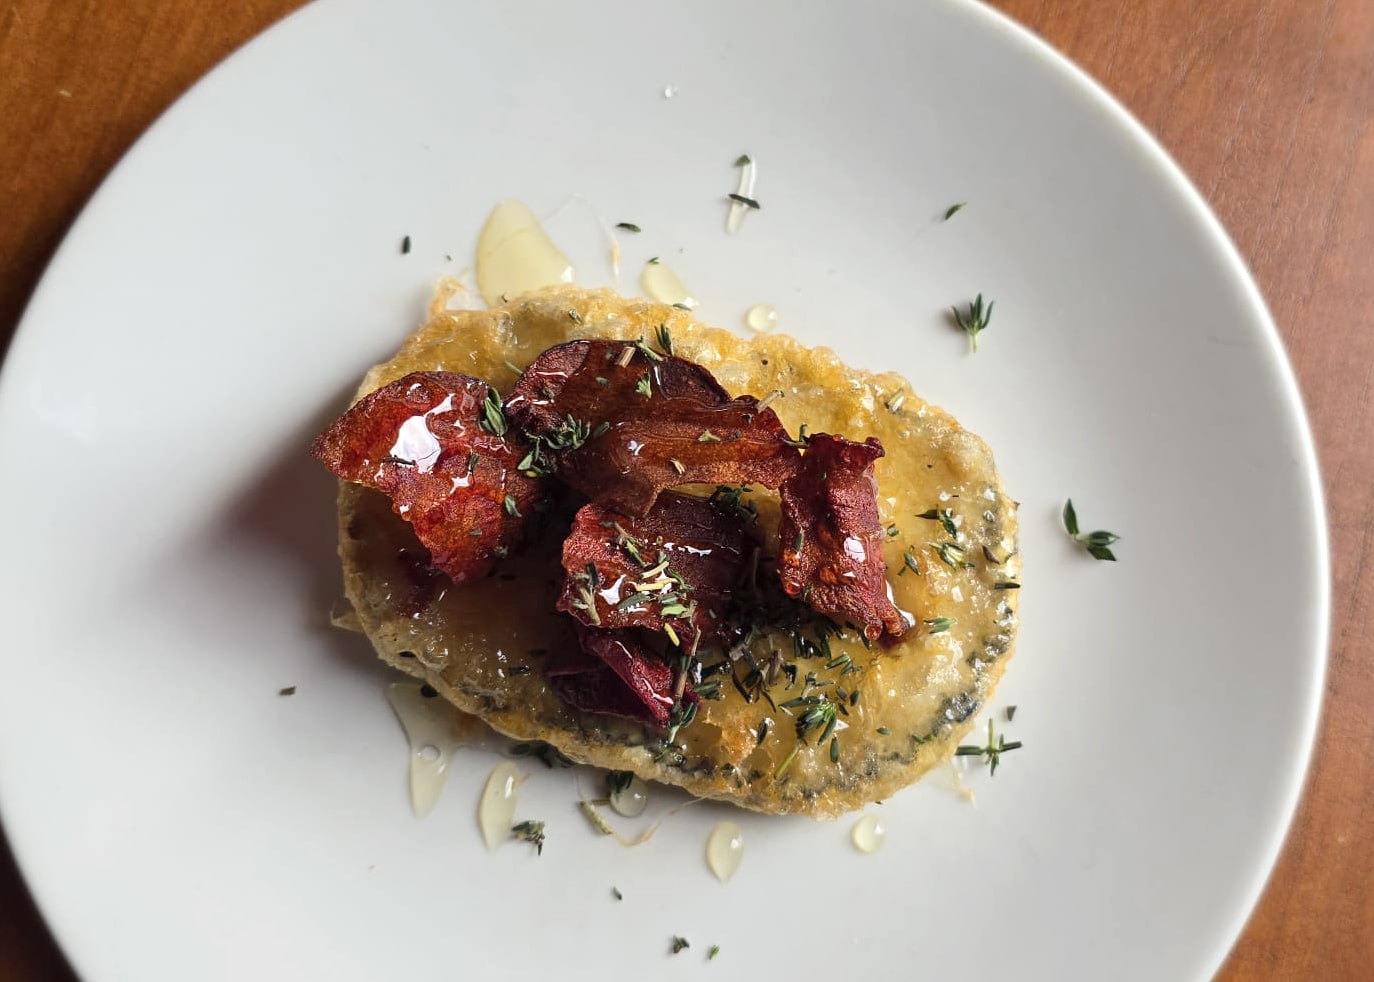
(437, 445)
(831, 538)
(670, 571)
(600, 380)
(612, 673)
(620, 423)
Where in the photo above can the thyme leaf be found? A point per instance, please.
(531, 832)
(974, 321)
(664, 337)
(1096, 543)
(945, 516)
(992, 751)
(493, 419)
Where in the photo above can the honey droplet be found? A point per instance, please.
(496, 809)
(430, 726)
(761, 318)
(662, 284)
(725, 850)
(868, 834)
(631, 800)
(514, 255)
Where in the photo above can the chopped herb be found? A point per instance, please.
(574, 316)
(679, 944)
(708, 437)
(681, 715)
(747, 202)
(405, 245)
(1006, 585)
(475, 532)
(762, 733)
(820, 714)
(647, 351)
(532, 832)
(634, 600)
(797, 542)
(834, 750)
(664, 337)
(628, 226)
(894, 401)
(401, 461)
(627, 542)
(884, 731)
(472, 461)
(939, 625)
(644, 386)
(945, 516)
(290, 690)
(568, 433)
(787, 762)
(511, 509)
(428, 691)
(602, 381)
(974, 321)
(951, 555)
(493, 419)
(585, 584)
(708, 690)
(532, 464)
(992, 751)
(653, 261)
(955, 209)
(743, 160)
(909, 559)
(615, 892)
(714, 950)
(893, 531)
(1095, 542)
(1011, 713)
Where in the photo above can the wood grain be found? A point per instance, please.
(1267, 104)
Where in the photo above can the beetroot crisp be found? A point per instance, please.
(831, 538)
(670, 571)
(429, 441)
(649, 573)
(614, 673)
(620, 423)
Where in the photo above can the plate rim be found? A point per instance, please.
(1112, 112)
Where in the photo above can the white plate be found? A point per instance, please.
(170, 546)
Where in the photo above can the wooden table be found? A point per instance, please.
(1267, 104)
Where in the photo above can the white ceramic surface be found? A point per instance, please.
(170, 547)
